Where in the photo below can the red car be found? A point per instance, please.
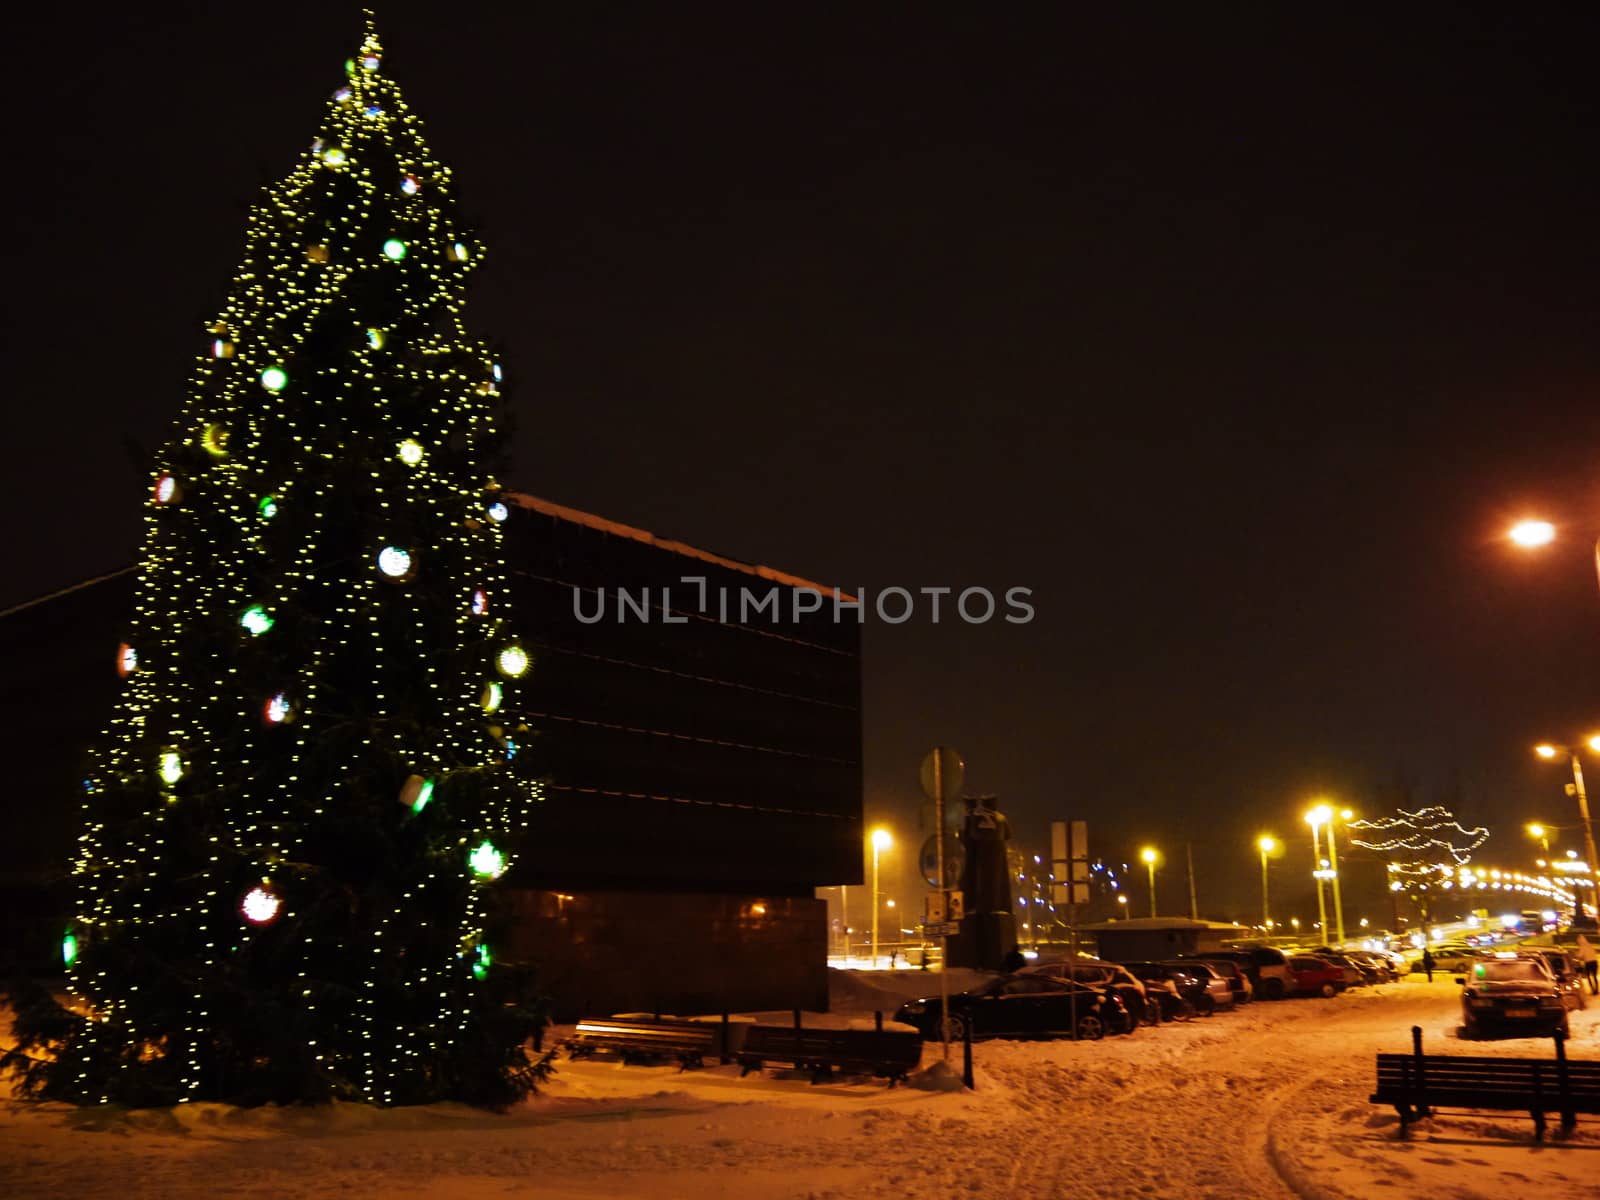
(1316, 977)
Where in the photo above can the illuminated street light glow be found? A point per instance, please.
(1533, 533)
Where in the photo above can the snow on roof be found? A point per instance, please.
(617, 529)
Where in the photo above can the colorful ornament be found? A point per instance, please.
(334, 157)
(487, 862)
(166, 490)
(170, 767)
(127, 660)
(410, 184)
(256, 620)
(343, 94)
(260, 904)
(274, 379)
(415, 792)
(457, 253)
(222, 348)
(214, 438)
(498, 511)
(267, 507)
(512, 661)
(375, 338)
(480, 602)
(278, 710)
(394, 249)
(410, 452)
(317, 253)
(495, 370)
(493, 696)
(374, 111)
(369, 62)
(481, 964)
(69, 948)
(394, 562)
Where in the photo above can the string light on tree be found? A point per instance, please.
(232, 756)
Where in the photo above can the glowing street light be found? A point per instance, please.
(1267, 844)
(1549, 753)
(1536, 830)
(1530, 534)
(1149, 855)
(881, 841)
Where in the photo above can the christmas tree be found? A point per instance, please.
(306, 786)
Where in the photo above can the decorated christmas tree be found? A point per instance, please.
(306, 787)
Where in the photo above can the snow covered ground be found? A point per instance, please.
(1267, 1102)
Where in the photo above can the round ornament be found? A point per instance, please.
(410, 452)
(498, 511)
(222, 348)
(267, 507)
(458, 253)
(274, 378)
(127, 660)
(369, 62)
(166, 490)
(497, 372)
(395, 563)
(260, 905)
(214, 438)
(486, 861)
(512, 661)
(410, 184)
(394, 249)
(415, 792)
(493, 696)
(373, 111)
(334, 157)
(343, 94)
(480, 602)
(375, 338)
(170, 766)
(278, 710)
(256, 620)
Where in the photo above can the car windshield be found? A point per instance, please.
(1508, 971)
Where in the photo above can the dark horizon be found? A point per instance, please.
(1239, 339)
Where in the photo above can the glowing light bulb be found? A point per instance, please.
(333, 156)
(268, 507)
(278, 710)
(256, 620)
(480, 602)
(166, 489)
(274, 379)
(410, 452)
(127, 660)
(410, 185)
(493, 696)
(487, 862)
(498, 511)
(512, 661)
(394, 249)
(170, 766)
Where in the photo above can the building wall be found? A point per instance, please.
(607, 952)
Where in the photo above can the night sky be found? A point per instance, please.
(1238, 335)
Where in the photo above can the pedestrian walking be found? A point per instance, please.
(1590, 958)
(1427, 962)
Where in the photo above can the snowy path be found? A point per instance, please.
(1269, 1102)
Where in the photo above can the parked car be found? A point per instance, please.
(1383, 969)
(1316, 977)
(1187, 988)
(1269, 971)
(1357, 974)
(1565, 970)
(1516, 996)
(1217, 989)
(1096, 973)
(1021, 1006)
(1455, 956)
(1233, 972)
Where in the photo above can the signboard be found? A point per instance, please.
(945, 763)
(1069, 862)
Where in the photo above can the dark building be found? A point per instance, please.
(700, 740)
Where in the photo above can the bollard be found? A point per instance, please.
(726, 1039)
(966, 1055)
(877, 1018)
(797, 1020)
(1569, 1114)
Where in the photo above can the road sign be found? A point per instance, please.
(928, 860)
(951, 770)
(1069, 862)
(947, 929)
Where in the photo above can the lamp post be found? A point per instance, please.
(1322, 814)
(1266, 844)
(1537, 830)
(1317, 873)
(1550, 753)
(1150, 856)
(881, 841)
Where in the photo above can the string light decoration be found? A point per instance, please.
(1426, 849)
(369, 944)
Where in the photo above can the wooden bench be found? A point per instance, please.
(645, 1040)
(887, 1052)
(1417, 1084)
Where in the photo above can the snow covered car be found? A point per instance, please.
(1516, 996)
(1021, 1006)
(1234, 972)
(1217, 991)
(1097, 973)
(1566, 971)
(1455, 956)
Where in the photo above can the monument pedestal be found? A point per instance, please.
(984, 941)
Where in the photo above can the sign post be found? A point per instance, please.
(941, 774)
(1069, 868)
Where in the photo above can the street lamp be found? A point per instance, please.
(1550, 753)
(1267, 845)
(1328, 869)
(1537, 830)
(1150, 856)
(881, 841)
